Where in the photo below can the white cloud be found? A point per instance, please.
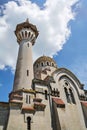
(52, 23)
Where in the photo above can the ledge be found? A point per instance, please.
(28, 109)
(39, 106)
(37, 100)
(84, 103)
(59, 102)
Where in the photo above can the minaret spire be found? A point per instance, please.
(27, 20)
(26, 34)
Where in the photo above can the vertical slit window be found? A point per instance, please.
(22, 34)
(29, 99)
(25, 33)
(28, 123)
(46, 97)
(26, 98)
(27, 72)
(72, 96)
(29, 34)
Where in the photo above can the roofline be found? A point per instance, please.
(59, 70)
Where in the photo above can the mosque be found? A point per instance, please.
(44, 96)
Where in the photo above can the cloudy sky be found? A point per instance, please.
(62, 26)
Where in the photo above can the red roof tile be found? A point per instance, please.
(15, 101)
(39, 104)
(84, 103)
(28, 108)
(59, 102)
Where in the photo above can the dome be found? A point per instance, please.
(45, 60)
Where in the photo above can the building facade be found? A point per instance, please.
(44, 96)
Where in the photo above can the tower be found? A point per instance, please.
(26, 34)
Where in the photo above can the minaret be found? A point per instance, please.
(26, 34)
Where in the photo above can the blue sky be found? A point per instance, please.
(72, 54)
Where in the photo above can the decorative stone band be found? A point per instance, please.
(26, 90)
(59, 102)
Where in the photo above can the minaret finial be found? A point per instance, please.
(27, 20)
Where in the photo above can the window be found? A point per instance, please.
(27, 72)
(67, 95)
(28, 99)
(22, 34)
(28, 123)
(42, 64)
(28, 44)
(72, 96)
(46, 97)
(66, 83)
(57, 93)
(48, 63)
(25, 33)
(29, 34)
(52, 64)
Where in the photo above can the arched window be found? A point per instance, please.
(66, 83)
(29, 34)
(67, 95)
(52, 64)
(28, 123)
(22, 34)
(42, 64)
(57, 93)
(72, 96)
(25, 33)
(48, 63)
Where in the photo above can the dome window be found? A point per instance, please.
(52, 64)
(42, 64)
(29, 34)
(48, 63)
